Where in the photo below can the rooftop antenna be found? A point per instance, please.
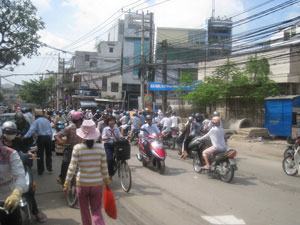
(213, 8)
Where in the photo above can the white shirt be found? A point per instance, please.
(216, 135)
(174, 120)
(110, 135)
(166, 122)
(153, 129)
(124, 120)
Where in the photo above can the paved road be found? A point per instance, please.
(261, 194)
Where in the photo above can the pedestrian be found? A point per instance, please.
(71, 140)
(42, 128)
(90, 160)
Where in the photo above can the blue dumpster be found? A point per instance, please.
(282, 115)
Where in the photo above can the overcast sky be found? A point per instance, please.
(67, 20)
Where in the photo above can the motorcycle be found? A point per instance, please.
(292, 146)
(291, 161)
(156, 155)
(169, 139)
(134, 136)
(24, 205)
(223, 164)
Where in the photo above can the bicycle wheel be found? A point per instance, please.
(125, 176)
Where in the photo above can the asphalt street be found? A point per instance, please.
(261, 194)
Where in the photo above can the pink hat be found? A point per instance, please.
(88, 130)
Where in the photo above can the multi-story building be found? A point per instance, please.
(129, 32)
(219, 35)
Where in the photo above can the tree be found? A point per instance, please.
(19, 26)
(229, 81)
(1, 97)
(39, 92)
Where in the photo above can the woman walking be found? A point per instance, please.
(90, 160)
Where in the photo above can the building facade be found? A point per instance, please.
(219, 35)
(284, 64)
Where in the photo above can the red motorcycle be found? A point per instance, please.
(155, 155)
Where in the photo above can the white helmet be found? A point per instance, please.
(10, 131)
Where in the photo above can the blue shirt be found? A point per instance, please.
(136, 122)
(40, 127)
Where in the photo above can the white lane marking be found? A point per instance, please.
(224, 220)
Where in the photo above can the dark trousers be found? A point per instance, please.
(44, 146)
(109, 150)
(13, 218)
(65, 163)
(30, 197)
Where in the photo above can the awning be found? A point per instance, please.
(108, 100)
(88, 104)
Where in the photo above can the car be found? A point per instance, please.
(7, 117)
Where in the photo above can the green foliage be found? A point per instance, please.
(38, 92)
(228, 81)
(19, 26)
(1, 97)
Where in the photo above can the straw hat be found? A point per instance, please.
(88, 130)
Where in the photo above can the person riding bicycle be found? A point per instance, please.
(12, 184)
(110, 134)
(146, 130)
(71, 139)
(11, 140)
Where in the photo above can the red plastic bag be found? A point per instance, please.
(109, 203)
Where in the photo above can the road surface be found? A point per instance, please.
(261, 194)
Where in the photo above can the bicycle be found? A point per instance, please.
(121, 155)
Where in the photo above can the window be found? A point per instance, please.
(111, 50)
(114, 87)
(87, 58)
(104, 84)
(126, 61)
(93, 64)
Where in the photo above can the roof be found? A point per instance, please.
(283, 97)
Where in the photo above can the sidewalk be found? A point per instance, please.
(267, 149)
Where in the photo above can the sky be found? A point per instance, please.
(68, 20)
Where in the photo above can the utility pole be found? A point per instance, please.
(56, 83)
(164, 74)
(143, 63)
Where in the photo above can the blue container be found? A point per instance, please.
(281, 114)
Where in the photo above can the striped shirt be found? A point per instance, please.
(91, 164)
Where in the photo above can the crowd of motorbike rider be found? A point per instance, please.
(48, 128)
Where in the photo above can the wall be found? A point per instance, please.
(109, 93)
(283, 69)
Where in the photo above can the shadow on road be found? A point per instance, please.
(56, 221)
(245, 181)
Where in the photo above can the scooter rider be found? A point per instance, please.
(71, 140)
(216, 135)
(11, 140)
(12, 184)
(147, 129)
(166, 124)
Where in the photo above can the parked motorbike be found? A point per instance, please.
(156, 154)
(291, 161)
